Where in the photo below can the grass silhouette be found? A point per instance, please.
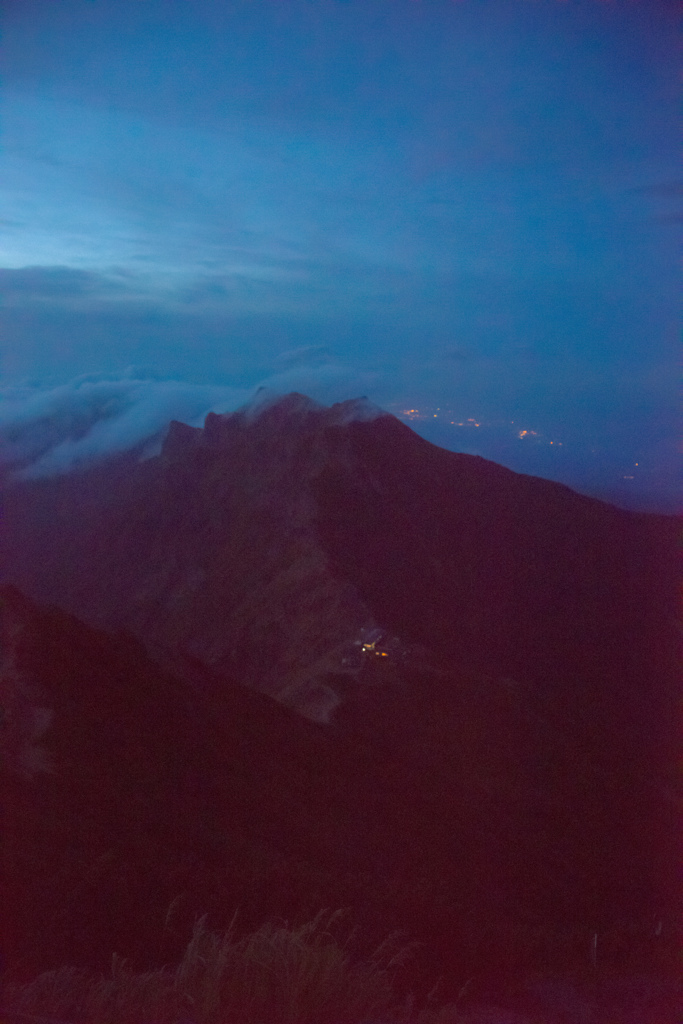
(277, 974)
(303, 974)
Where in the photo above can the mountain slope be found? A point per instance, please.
(124, 789)
(267, 543)
(210, 550)
(489, 660)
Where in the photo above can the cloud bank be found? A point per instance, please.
(49, 431)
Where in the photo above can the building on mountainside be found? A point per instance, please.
(373, 642)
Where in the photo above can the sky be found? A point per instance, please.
(467, 210)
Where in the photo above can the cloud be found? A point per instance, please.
(303, 355)
(458, 355)
(327, 383)
(249, 282)
(44, 432)
(49, 431)
(22, 286)
(47, 282)
(666, 189)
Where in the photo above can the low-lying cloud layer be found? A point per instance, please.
(45, 432)
(48, 431)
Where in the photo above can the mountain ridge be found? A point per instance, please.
(250, 487)
(478, 672)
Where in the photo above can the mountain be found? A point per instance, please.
(271, 543)
(210, 552)
(474, 672)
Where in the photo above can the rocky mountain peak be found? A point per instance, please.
(264, 543)
(269, 418)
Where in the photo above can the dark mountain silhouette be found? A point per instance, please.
(488, 660)
(124, 789)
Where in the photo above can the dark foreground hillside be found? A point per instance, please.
(124, 790)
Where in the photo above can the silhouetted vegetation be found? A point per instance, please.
(275, 974)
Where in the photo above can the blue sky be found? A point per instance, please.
(468, 208)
